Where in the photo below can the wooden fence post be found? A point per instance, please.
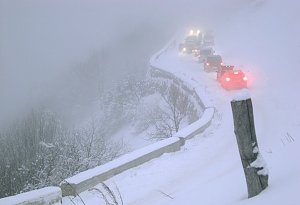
(254, 166)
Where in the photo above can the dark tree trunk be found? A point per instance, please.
(253, 164)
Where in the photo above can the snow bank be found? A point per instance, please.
(48, 195)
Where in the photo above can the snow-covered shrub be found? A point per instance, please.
(171, 111)
(38, 151)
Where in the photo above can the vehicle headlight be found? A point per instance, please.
(227, 79)
(245, 78)
(184, 49)
(191, 32)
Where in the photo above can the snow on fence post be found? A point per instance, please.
(254, 166)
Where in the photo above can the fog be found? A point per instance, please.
(41, 41)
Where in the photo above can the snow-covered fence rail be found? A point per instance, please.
(47, 196)
(88, 179)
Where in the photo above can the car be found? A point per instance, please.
(233, 79)
(203, 53)
(212, 63)
(222, 70)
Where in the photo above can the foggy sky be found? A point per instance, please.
(40, 39)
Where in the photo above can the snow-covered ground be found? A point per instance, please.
(207, 170)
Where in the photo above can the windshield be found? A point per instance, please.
(206, 52)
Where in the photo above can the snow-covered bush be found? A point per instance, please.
(38, 151)
(172, 111)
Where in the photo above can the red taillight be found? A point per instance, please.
(245, 78)
(227, 79)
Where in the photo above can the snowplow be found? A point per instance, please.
(192, 42)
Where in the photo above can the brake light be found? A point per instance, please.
(245, 78)
(227, 79)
